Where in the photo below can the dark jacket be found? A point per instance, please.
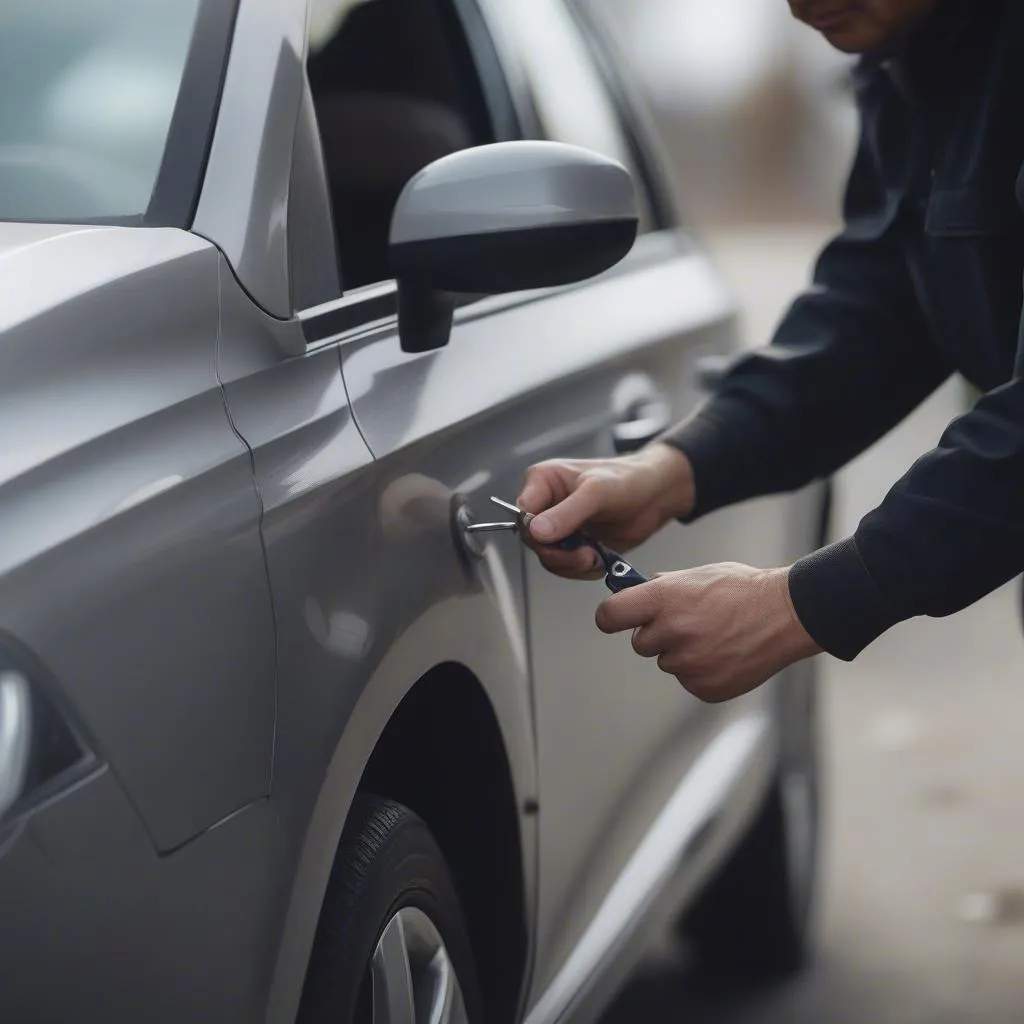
(925, 279)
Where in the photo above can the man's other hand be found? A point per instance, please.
(721, 630)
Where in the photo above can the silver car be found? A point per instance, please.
(287, 293)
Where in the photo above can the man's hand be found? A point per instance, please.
(721, 630)
(620, 501)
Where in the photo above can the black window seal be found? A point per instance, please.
(359, 309)
(179, 181)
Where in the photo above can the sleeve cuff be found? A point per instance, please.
(705, 442)
(838, 601)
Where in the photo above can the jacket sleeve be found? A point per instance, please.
(852, 357)
(948, 533)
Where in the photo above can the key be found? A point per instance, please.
(571, 543)
(619, 574)
(492, 527)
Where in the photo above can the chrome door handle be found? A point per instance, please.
(642, 424)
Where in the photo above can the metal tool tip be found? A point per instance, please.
(506, 505)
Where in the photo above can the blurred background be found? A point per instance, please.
(922, 910)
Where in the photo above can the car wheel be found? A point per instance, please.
(754, 919)
(391, 945)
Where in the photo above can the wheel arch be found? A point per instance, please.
(495, 751)
(443, 756)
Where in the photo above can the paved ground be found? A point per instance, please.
(923, 900)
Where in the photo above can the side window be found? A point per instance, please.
(568, 90)
(394, 88)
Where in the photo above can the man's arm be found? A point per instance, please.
(850, 360)
(949, 532)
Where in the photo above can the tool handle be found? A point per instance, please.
(575, 541)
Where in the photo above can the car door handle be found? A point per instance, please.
(643, 422)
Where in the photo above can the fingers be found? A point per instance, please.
(648, 642)
(546, 484)
(561, 510)
(629, 609)
(573, 565)
(582, 564)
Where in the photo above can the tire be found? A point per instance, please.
(391, 928)
(754, 920)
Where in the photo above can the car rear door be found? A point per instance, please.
(621, 358)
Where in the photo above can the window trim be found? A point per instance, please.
(662, 212)
(179, 181)
(361, 308)
(494, 85)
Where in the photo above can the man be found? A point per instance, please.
(925, 279)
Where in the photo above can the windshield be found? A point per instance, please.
(87, 93)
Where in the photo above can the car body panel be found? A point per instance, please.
(697, 822)
(130, 560)
(98, 925)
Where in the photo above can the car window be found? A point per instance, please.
(88, 90)
(569, 93)
(394, 87)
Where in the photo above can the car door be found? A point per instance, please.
(621, 360)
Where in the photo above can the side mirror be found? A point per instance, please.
(503, 218)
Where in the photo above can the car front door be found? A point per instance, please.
(620, 360)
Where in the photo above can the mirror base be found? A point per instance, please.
(424, 318)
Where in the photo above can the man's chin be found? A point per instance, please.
(853, 41)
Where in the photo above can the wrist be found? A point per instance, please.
(677, 490)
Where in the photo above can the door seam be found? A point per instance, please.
(260, 519)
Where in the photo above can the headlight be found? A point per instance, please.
(39, 752)
(15, 738)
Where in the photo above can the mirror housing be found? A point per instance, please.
(507, 217)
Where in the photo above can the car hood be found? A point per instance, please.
(47, 265)
(16, 237)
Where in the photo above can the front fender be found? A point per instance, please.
(468, 630)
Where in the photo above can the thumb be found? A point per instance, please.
(568, 516)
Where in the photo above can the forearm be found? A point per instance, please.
(850, 359)
(838, 375)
